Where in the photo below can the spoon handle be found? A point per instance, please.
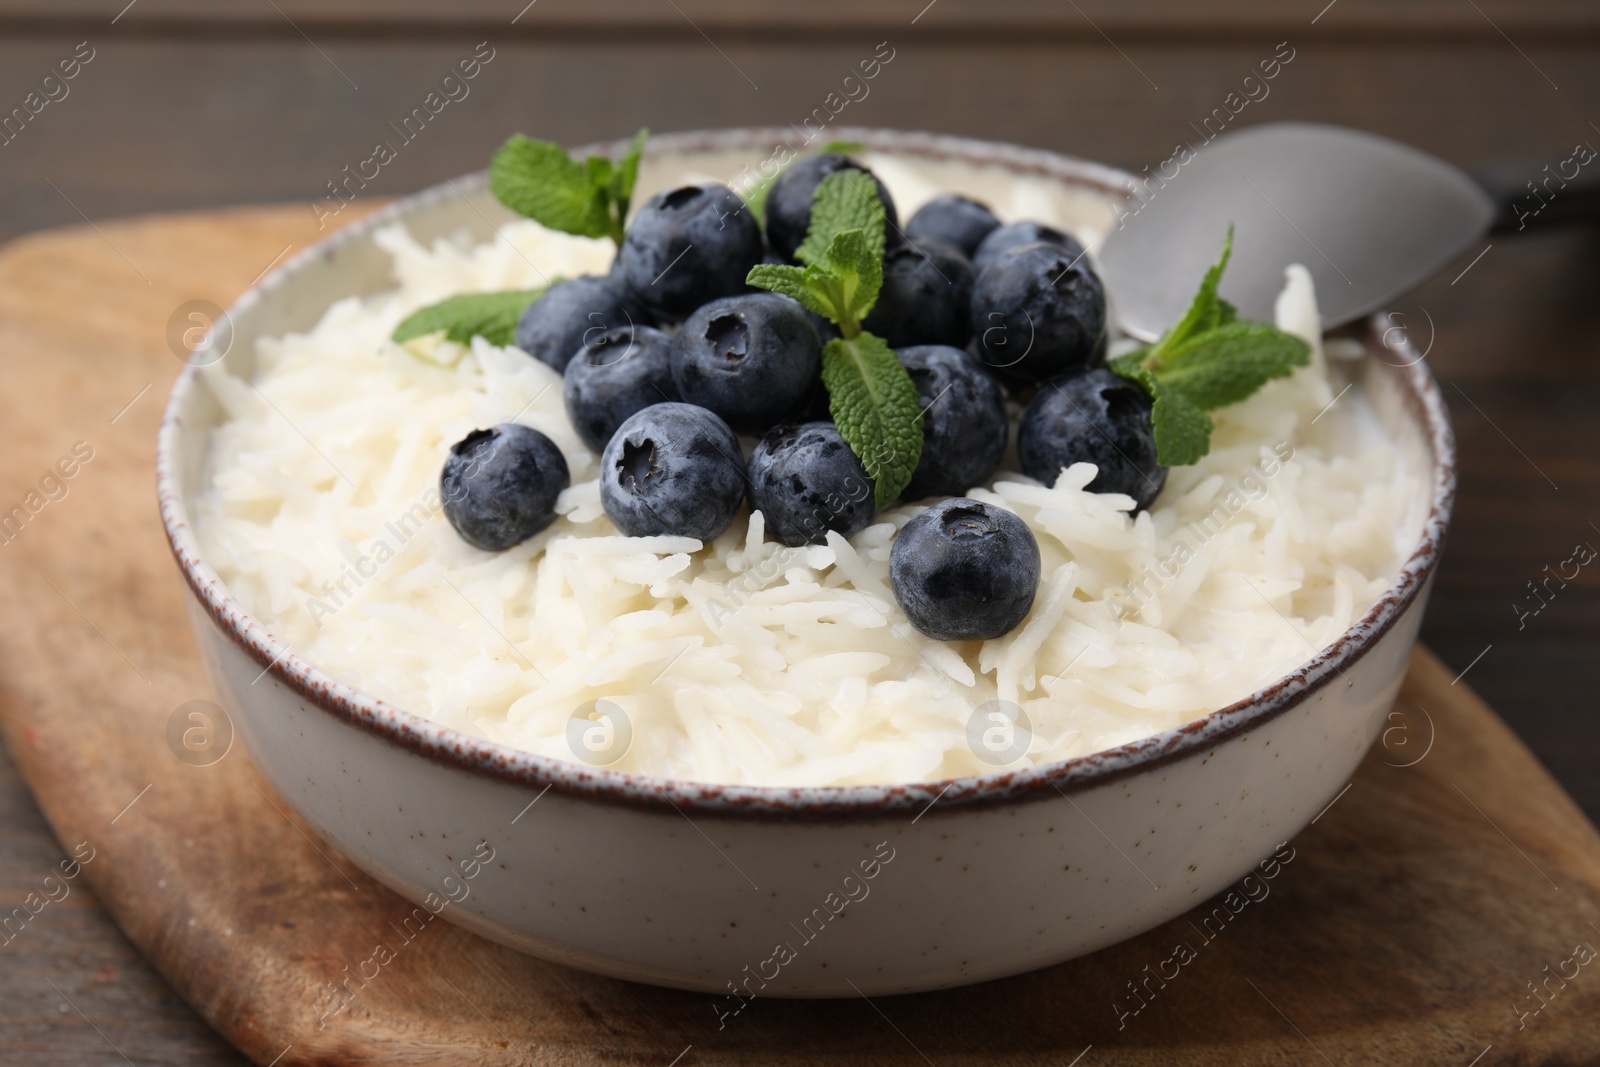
(1542, 195)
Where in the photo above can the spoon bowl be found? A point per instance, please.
(1369, 217)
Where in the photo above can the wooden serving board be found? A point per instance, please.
(1413, 923)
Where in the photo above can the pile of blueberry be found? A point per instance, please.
(671, 357)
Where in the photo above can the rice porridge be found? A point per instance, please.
(746, 660)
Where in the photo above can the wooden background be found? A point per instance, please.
(189, 104)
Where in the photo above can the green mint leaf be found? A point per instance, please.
(492, 316)
(1182, 428)
(1210, 359)
(1228, 363)
(1206, 311)
(627, 175)
(814, 288)
(871, 397)
(539, 180)
(598, 172)
(841, 288)
(844, 200)
(843, 147)
(877, 409)
(859, 271)
(755, 198)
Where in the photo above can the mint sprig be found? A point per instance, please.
(539, 180)
(842, 254)
(877, 409)
(1211, 358)
(492, 316)
(841, 284)
(872, 399)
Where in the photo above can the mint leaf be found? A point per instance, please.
(812, 287)
(627, 175)
(598, 172)
(755, 198)
(537, 179)
(1206, 311)
(877, 409)
(844, 200)
(1182, 428)
(1210, 359)
(843, 147)
(859, 271)
(492, 316)
(871, 397)
(1228, 363)
(841, 287)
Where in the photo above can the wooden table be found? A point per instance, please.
(186, 104)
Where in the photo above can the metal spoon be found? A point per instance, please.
(1369, 217)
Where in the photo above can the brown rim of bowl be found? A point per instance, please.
(813, 803)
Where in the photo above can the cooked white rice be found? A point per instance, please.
(743, 660)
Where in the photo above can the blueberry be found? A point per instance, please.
(1036, 314)
(500, 485)
(1094, 416)
(617, 373)
(788, 205)
(958, 219)
(926, 296)
(964, 425)
(1022, 233)
(964, 570)
(571, 312)
(805, 481)
(672, 469)
(690, 245)
(754, 359)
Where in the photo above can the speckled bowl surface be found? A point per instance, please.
(733, 889)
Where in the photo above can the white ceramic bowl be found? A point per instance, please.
(723, 888)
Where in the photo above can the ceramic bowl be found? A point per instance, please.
(739, 891)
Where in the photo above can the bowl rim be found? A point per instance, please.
(479, 757)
